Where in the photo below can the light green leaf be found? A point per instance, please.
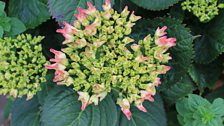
(2, 7)
(26, 113)
(217, 106)
(211, 42)
(17, 27)
(64, 10)
(154, 117)
(155, 4)
(31, 12)
(5, 23)
(1, 32)
(62, 108)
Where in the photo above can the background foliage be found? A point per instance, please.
(197, 65)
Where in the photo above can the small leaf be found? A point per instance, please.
(64, 10)
(217, 106)
(26, 113)
(62, 108)
(154, 117)
(30, 12)
(17, 27)
(155, 4)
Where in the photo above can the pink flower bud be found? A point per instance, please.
(125, 107)
(84, 98)
(164, 69)
(139, 105)
(91, 10)
(161, 32)
(147, 95)
(135, 47)
(125, 12)
(151, 89)
(55, 66)
(90, 30)
(60, 57)
(81, 14)
(141, 58)
(157, 82)
(164, 41)
(107, 5)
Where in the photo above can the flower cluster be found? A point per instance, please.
(100, 56)
(205, 10)
(21, 66)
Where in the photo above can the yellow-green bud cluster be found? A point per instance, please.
(205, 10)
(21, 66)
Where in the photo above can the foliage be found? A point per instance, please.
(9, 25)
(113, 66)
(196, 111)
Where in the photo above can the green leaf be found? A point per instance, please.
(64, 10)
(2, 7)
(181, 54)
(17, 27)
(218, 93)
(205, 75)
(8, 107)
(62, 108)
(217, 106)
(178, 90)
(5, 23)
(155, 4)
(31, 12)
(154, 117)
(211, 42)
(1, 32)
(26, 113)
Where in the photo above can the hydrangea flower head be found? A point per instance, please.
(100, 56)
(21, 66)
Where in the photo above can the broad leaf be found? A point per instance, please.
(17, 27)
(26, 113)
(178, 90)
(154, 117)
(62, 108)
(1, 31)
(2, 7)
(211, 42)
(206, 75)
(155, 4)
(181, 54)
(64, 10)
(30, 12)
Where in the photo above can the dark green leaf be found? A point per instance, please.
(206, 75)
(218, 93)
(154, 117)
(62, 108)
(155, 4)
(64, 10)
(26, 113)
(178, 90)
(17, 27)
(8, 107)
(211, 42)
(30, 12)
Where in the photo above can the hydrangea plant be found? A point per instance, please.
(196, 111)
(21, 66)
(205, 10)
(100, 56)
